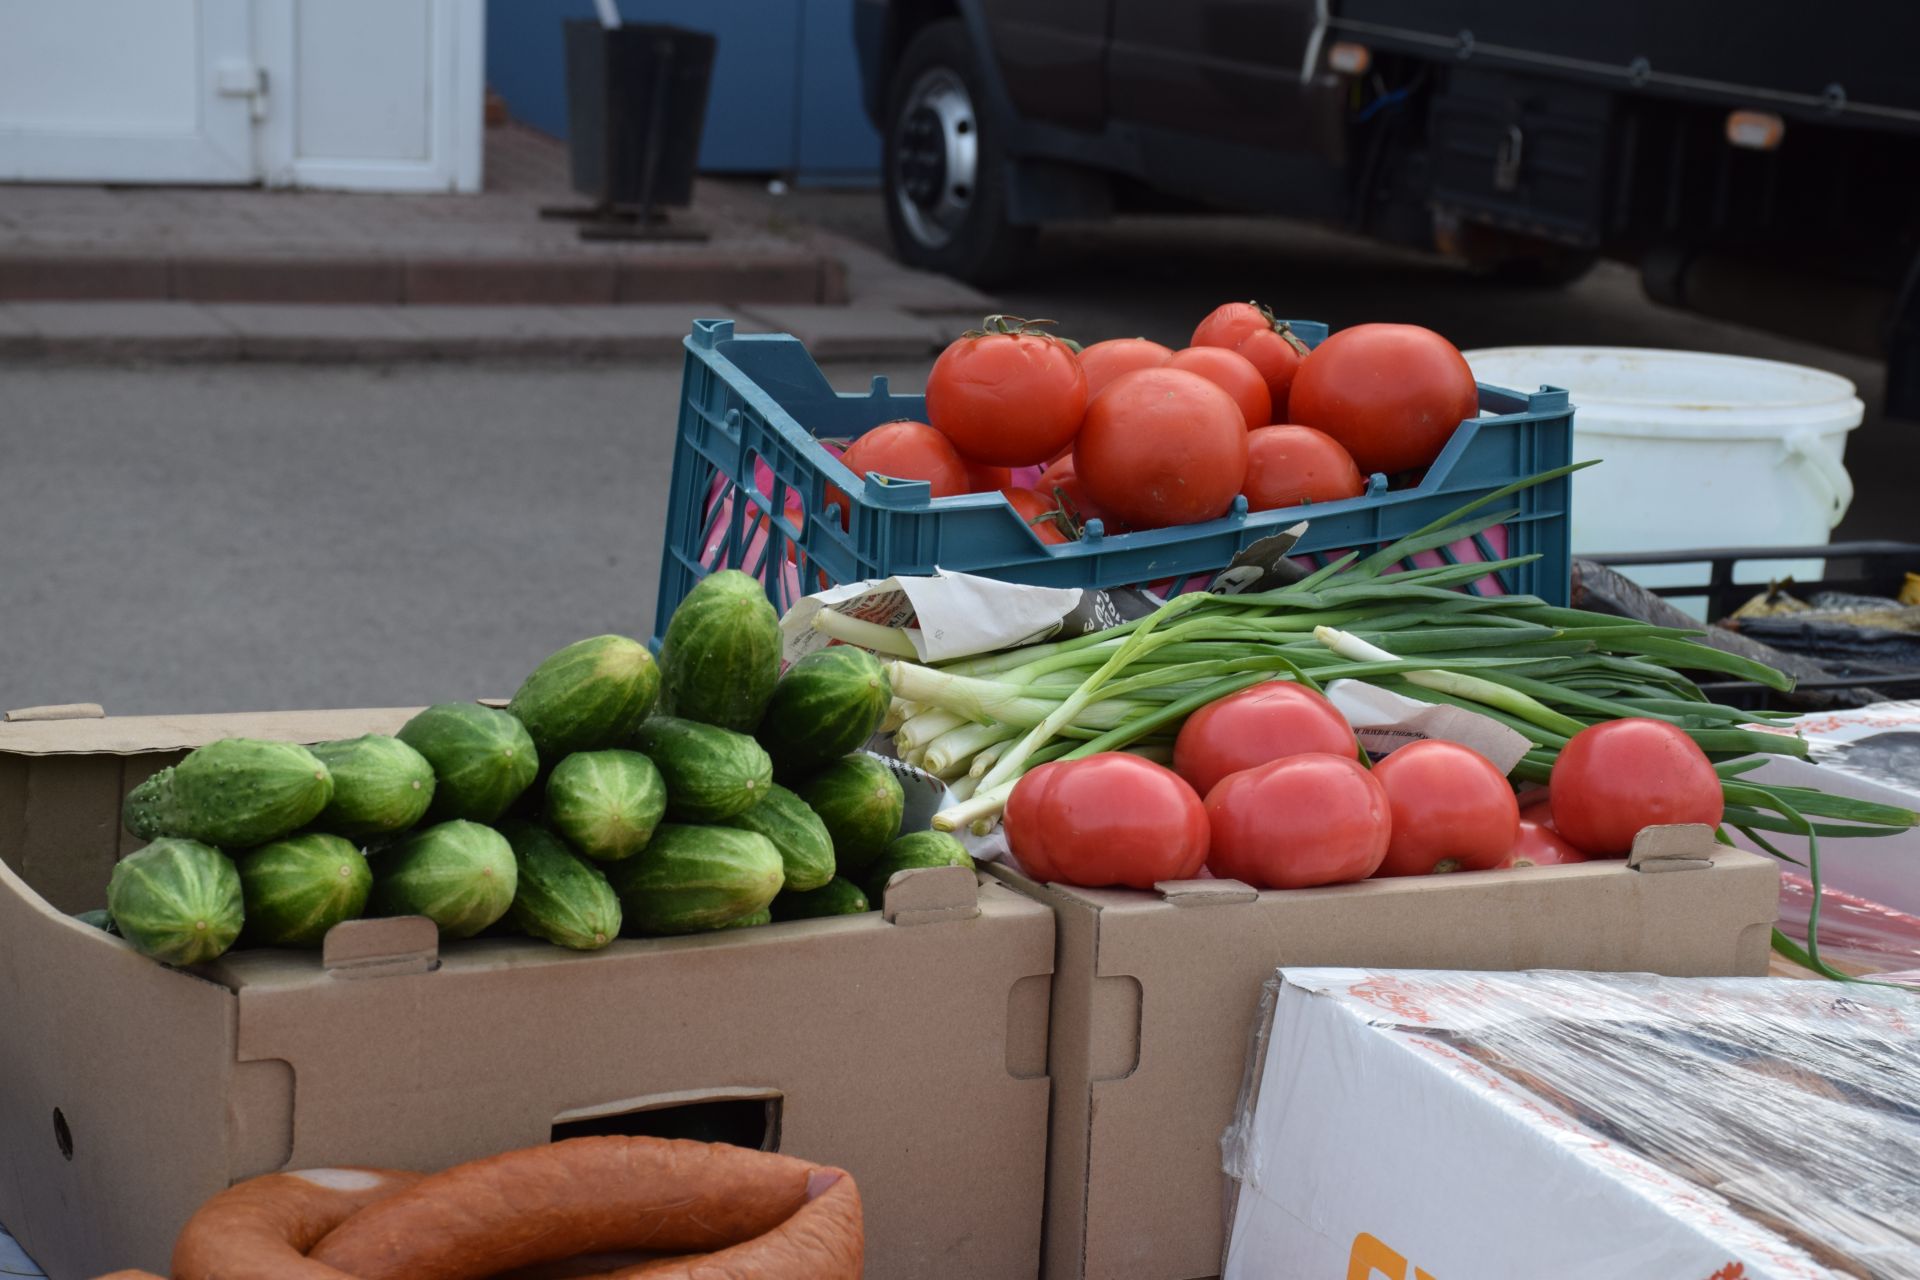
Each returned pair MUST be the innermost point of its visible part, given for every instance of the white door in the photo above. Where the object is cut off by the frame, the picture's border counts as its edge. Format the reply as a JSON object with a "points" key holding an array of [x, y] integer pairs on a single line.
{"points": [[127, 91]]}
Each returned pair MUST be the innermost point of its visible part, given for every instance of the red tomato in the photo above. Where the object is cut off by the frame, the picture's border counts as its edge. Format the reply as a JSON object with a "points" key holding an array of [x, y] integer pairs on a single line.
{"points": [[1260, 723], [1277, 356], [1042, 516], [1105, 361], [1229, 323], [1288, 466], [1010, 397], [1021, 819], [1539, 845], [986, 479], [1060, 482], [1452, 810], [1234, 374], [1162, 447], [903, 450], [1618, 776], [1297, 822], [1391, 393], [1107, 819]]}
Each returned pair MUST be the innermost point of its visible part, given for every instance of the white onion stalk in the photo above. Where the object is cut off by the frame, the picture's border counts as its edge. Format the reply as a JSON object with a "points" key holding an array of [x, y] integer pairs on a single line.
{"points": [[1456, 683], [958, 747], [868, 635], [920, 731]]}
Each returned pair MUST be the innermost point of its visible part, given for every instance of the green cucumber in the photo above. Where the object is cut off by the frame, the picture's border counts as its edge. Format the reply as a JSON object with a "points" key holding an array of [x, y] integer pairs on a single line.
{"points": [[806, 849], [482, 759], [909, 852], [837, 897], [588, 696], [829, 703], [606, 803], [458, 874], [298, 888], [720, 657], [861, 802], [712, 774], [239, 792], [559, 897], [177, 900], [690, 879], [380, 786]]}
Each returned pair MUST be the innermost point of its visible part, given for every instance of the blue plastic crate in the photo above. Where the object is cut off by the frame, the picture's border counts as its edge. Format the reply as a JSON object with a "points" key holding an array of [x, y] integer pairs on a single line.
{"points": [[747, 460]]}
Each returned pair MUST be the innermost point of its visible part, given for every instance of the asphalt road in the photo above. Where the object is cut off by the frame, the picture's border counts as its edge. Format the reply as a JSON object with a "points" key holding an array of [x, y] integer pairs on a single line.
{"points": [[213, 538]]}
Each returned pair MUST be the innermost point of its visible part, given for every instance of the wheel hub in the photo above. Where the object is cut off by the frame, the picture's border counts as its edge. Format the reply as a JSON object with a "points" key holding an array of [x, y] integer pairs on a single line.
{"points": [[935, 155]]}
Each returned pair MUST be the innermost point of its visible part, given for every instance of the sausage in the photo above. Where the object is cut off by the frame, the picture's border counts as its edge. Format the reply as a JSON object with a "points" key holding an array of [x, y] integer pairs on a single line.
{"points": [[585, 1195], [261, 1229], [129, 1275], [823, 1241]]}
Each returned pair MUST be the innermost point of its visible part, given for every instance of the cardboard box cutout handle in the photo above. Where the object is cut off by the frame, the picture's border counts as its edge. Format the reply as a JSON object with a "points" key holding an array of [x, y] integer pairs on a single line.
{"points": [[1686, 846], [928, 895], [1205, 893], [60, 711], [381, 948]]}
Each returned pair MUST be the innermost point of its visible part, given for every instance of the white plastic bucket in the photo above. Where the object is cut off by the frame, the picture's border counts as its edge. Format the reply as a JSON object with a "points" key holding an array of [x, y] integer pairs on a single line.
{"points": [[1698, 450]]}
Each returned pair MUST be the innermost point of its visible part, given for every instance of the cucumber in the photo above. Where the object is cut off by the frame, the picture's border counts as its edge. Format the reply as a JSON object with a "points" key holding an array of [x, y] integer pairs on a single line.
{"points": [[806, 850], [482, 759], [298, 888], [712, 774], [837, 897], [150, 811], [177, 900], [760, 917], [101, 919], [920, 849], [720, 657], [606, 803], [559, 896], [690, 879], [861, 802], [239, 792], [829, 703], [380, 786], [458, 874], [588, 696]]}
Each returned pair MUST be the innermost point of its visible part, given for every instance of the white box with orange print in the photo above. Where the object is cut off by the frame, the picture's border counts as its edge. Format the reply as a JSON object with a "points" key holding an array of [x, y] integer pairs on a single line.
{"points": [[1414, 1125]]}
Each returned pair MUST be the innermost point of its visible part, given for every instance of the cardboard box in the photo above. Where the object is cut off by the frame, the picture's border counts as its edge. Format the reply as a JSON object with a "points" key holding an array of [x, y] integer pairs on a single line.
{"points": [[907, 1046], [1154, 994], [1580, 1126]]}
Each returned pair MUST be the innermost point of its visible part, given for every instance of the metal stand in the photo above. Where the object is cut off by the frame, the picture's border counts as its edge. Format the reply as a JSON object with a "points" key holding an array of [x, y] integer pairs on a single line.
{"points": [[605, 220]]}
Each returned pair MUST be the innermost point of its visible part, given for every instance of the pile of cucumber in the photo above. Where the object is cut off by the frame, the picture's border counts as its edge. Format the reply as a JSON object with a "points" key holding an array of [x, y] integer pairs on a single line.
{"points": [[614, 795]]}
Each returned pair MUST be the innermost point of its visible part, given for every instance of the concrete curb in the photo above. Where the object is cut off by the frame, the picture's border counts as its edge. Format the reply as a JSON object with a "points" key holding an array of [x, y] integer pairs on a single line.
{"points": [[179, 332]]}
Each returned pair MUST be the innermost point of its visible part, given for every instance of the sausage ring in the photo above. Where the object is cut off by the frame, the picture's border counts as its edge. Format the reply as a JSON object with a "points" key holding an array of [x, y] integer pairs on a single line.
{"points": [[823, 1241], [261, 1229], [583, 1196]]}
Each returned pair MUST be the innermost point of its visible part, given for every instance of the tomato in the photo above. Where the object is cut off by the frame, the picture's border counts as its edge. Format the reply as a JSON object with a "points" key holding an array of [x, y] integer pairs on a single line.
{"points": [[986, 479], [1277, 356], [1260, 723], [1391, 393], [1105, 361], [1020, 820], [1042, 515], [1009, 397], [1061, 483], [1234, 374], [903, 450], [1452, 810], [1230, 322], [1162, 447], [1107, 819], [1297, 822], [1618, 776], [1289, 465], [1539, 845]]}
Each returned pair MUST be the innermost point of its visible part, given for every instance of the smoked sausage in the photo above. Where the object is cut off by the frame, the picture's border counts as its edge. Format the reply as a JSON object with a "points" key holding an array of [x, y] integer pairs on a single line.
{"points": [[823, 1241], [261, 1229]]}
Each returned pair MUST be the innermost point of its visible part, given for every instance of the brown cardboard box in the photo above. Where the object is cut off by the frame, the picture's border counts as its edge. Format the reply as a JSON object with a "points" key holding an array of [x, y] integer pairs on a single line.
{"points": [[908, 1047], [1155, 994]]}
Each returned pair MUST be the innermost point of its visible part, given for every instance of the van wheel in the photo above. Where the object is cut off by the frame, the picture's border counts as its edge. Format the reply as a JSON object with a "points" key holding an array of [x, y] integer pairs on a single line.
{"points": [[945, 171]]}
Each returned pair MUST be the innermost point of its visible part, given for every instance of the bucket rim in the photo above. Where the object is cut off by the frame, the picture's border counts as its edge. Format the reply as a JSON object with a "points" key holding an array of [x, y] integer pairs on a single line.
{"points": [[1838, 388]]}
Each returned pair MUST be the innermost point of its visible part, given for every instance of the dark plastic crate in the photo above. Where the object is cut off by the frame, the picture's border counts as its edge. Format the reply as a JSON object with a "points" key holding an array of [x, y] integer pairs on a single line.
{"points": [[747, 460]]}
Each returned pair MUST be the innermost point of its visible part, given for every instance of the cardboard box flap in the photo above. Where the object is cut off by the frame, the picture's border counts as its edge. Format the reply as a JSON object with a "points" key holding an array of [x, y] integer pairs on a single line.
{"points": [[60, 711], [1686, 846], [381, 947], [113, 1065], [928, 895], [1206, 893], [133, 735]]}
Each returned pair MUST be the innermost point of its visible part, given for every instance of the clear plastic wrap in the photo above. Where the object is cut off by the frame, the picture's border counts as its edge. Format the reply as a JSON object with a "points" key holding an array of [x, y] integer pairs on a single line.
{"points": [[1797, 1104], [1857, 934]]}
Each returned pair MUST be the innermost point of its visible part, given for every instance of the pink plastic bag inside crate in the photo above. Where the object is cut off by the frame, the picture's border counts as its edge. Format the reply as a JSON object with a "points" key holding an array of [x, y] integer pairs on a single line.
{"points": [[717, 519], [1853, 930]]}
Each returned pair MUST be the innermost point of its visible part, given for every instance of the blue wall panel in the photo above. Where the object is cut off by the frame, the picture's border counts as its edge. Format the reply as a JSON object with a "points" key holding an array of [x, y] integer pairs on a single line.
{"points": [[786, 85]]}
